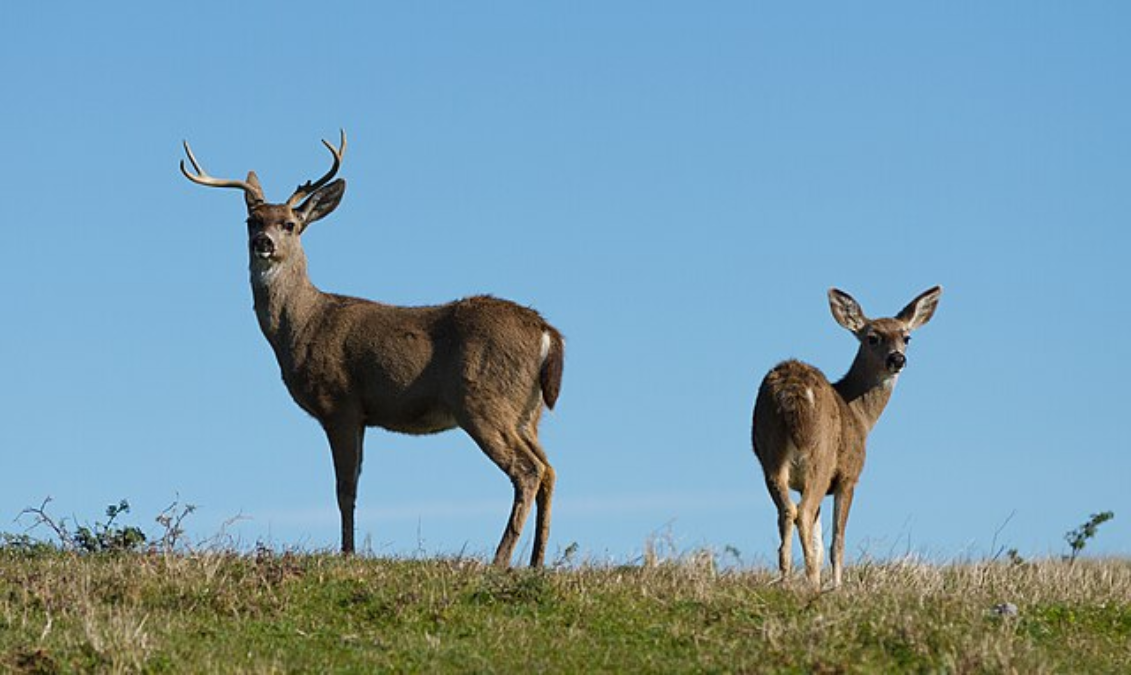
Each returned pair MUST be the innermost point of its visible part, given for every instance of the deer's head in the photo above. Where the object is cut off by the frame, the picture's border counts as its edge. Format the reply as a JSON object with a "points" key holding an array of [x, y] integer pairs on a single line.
{"points": [[883, 342], [273, 230]]}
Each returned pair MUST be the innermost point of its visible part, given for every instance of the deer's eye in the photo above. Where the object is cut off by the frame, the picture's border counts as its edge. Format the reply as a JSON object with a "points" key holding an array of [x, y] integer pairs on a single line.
{"points": [[289, 226], [873, 339], [906, 339]]}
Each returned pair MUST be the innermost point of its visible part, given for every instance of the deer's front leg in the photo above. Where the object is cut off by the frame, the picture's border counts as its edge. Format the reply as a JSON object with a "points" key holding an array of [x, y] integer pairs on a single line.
{"points": [[346, 439]]}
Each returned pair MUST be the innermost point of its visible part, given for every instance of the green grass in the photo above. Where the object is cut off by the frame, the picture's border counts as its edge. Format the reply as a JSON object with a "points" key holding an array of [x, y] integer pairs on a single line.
{"points": [[222, 612]]}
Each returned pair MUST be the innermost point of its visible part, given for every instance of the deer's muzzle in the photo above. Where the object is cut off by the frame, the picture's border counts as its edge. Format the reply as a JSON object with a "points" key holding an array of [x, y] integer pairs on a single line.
{"points": [[896, 361], [262, 246]]}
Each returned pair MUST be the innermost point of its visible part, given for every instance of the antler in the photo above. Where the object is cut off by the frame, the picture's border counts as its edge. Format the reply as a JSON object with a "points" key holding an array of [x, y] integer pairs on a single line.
{"points": [[202, 178], [304, 190]]}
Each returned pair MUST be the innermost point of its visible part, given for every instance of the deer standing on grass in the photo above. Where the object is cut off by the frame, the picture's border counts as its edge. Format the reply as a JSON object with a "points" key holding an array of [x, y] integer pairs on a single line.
{"points": [[482, 364], [809, 435]]}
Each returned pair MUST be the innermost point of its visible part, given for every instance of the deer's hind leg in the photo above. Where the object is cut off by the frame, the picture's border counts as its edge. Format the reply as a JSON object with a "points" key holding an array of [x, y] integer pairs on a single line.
{"points": [[506, 447], [528, 431], [544, 498], [809, 531], [778, 485]]}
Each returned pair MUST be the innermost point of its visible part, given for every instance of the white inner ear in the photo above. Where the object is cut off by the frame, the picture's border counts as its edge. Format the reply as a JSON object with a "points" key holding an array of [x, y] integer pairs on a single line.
{"points": [[311, 204], [922, 308], [922, 312], [852, 316]]}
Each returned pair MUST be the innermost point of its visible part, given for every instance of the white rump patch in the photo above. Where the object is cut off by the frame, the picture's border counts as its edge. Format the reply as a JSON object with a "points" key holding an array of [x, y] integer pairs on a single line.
{"points": [[545, 347]]}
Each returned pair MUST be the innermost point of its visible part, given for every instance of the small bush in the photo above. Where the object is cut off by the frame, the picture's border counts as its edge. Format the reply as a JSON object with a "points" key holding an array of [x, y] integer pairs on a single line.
{"points": [[1079, 537], [109, 536]]}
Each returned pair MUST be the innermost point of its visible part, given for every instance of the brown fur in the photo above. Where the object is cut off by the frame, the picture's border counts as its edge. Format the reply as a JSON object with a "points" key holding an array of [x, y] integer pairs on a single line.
{"points": [[809, 434], [351, 363]]}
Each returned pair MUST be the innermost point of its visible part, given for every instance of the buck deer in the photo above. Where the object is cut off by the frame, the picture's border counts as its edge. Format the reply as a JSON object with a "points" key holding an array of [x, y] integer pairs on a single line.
{"points": [[809, 435], [483, 364]]}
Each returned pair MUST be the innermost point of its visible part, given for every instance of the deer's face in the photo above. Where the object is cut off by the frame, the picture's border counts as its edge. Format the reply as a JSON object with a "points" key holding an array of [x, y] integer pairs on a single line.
{"points": [[273, 230], [273, 233], [883, 343]]}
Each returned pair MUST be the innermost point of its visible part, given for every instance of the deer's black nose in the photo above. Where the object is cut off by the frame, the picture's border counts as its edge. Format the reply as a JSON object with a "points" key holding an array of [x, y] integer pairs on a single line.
{"points": [[262, 246], [896, 362]]}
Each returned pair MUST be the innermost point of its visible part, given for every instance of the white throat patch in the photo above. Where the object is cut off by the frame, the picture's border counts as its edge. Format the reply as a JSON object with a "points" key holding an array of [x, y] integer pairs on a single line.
{"points": [[264, 275]]}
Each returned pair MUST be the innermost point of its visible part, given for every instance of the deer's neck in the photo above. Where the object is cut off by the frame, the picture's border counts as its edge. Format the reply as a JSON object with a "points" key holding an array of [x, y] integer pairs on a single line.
{"points": [[865, 391], [285, 301]]}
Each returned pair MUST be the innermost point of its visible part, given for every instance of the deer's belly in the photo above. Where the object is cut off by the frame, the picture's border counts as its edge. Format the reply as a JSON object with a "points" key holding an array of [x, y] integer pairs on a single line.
{"points": [[420, 421]]}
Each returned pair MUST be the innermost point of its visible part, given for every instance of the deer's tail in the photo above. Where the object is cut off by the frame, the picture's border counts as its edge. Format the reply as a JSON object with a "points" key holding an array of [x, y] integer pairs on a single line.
{"points": [[553, 357]]}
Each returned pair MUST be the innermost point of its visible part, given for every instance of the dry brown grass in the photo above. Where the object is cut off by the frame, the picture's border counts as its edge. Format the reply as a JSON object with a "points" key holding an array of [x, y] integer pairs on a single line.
{"points": [[223, 612]]}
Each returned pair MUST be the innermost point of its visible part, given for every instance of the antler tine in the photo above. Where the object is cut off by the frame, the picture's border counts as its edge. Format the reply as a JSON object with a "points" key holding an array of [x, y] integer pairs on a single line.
{"points": [[304, 190], [202, 177]]}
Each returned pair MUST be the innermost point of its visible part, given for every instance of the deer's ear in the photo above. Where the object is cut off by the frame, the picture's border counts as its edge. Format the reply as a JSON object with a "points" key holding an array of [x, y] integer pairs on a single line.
{"points": [[253, 200], [920, 310], [320, 204], [846, 310]]}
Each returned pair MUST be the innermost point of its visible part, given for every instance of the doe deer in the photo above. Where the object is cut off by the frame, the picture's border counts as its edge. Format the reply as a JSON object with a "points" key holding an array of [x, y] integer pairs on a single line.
{"points": [[483, 364], [809, 434]]}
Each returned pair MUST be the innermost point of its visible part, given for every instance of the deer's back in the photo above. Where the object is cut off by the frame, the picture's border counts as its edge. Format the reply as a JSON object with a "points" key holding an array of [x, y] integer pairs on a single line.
{"points": [[413, 369]]}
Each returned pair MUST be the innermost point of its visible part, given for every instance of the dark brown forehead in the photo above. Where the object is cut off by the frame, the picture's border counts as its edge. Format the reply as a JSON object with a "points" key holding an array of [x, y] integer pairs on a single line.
{"points": [[270, 213], [888, 327]]}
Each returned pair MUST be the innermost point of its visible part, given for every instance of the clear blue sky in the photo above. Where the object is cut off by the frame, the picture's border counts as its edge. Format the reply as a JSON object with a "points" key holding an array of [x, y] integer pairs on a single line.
{"points": [[674, 185]]}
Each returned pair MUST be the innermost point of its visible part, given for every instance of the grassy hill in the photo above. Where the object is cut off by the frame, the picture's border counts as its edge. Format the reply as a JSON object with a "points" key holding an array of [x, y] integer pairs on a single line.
{"points": [[269, 612]]}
